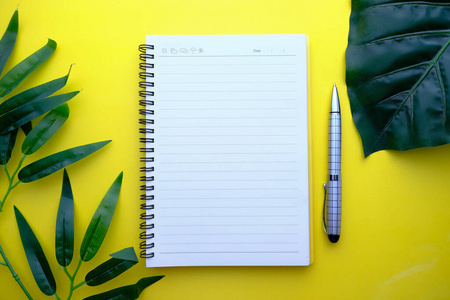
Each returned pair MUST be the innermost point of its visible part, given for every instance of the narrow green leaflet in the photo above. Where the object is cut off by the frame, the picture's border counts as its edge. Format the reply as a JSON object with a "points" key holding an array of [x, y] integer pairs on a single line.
{"points": [[119, 263], [25, 67], [57, 161], [33, 94], [129, 292], [99, 225], [35, 255], [125, 254], [64, 237], [29, 111], [7, 142], [8, 40], [45, 129], [398, 73]]}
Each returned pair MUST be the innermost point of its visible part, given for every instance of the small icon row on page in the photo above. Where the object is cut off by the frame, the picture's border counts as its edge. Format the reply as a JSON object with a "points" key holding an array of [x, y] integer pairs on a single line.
{"points": [[192, 50]]}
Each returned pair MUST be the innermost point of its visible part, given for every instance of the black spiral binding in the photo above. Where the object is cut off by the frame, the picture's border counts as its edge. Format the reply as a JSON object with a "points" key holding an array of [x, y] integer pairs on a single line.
{"points": [[147, 196]]}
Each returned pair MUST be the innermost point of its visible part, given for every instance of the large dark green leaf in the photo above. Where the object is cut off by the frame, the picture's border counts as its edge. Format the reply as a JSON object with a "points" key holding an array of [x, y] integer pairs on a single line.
{"points": [[7, 142], [398, 73], [119, 263], [8, 40], [57, 161], [98, 227], [33, 94], [45, 129], [64, 236], [35, 255], [23, 114], [129, 292], [25, 67]]}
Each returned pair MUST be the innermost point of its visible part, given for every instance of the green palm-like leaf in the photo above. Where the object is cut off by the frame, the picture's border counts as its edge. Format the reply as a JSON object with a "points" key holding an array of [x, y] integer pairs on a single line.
{"points": [[35, 255], [31, 110], [57, 161], [129, 292], [98, 227], [33, 94], [64, 236], [398, 73], [7, 142], [8, 40], [18, 73], [45, 129], [119, 263]]}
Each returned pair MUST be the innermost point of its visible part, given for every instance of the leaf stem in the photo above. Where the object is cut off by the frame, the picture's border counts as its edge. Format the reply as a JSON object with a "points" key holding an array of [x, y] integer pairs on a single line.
{"points": [[11, 179], [14, 274], [72, 279], [79, 285], [18, 167], [56, 296], [67, 273], [7, 173]]}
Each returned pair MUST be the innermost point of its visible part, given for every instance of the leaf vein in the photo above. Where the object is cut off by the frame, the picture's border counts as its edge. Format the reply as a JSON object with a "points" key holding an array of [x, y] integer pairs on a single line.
{"points": [[432, 64], [403, 3], [442, 88], [400, 70], [408, 35]]}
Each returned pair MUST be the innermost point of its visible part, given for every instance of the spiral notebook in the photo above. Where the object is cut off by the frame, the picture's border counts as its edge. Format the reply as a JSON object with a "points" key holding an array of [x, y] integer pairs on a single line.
{"points": [[226, 140]]}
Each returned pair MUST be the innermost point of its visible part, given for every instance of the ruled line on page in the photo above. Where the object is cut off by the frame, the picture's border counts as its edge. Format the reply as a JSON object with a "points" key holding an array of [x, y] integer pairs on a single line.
{"points": [[224, 64], [227, 153], [230, 225], [227, 189], [229, 243], [199, 56], [222, 82], [227, 180], [228, 100], [228, 162], [226, 207], [231, 234], [225, 252], [228, 198]]}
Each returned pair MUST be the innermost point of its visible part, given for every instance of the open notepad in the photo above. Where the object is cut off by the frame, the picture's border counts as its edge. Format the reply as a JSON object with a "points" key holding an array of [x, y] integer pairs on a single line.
{"points": [[227, 150]]}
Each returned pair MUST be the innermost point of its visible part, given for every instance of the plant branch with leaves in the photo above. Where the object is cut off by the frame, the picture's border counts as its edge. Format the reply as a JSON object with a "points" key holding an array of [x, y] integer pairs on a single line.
{"points": [[17, 113], [93, 238]]}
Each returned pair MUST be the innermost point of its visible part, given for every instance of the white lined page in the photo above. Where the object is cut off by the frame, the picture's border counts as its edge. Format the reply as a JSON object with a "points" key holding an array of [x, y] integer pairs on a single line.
{"points": [[231, 150]]}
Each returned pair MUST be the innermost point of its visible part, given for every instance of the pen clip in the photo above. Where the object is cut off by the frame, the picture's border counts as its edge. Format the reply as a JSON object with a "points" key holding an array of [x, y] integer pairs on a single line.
{"points": [[323, 211]]}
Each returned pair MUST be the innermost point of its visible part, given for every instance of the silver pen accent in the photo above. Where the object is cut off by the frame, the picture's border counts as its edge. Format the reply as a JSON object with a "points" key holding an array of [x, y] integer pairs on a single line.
{"points": [[333, 189]]}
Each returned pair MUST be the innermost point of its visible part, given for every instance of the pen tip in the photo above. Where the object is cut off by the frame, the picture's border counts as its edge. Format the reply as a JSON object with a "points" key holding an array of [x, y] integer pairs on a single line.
{"points": [[335, 105], [333, 238]]}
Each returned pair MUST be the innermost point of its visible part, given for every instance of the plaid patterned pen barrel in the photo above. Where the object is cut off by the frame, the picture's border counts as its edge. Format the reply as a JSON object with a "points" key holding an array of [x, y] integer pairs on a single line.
{"points": [[333, 214]]}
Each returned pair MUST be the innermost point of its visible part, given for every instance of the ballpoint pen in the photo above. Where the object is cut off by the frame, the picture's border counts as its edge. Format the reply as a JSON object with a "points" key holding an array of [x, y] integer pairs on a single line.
{"points": [[332, 196]]}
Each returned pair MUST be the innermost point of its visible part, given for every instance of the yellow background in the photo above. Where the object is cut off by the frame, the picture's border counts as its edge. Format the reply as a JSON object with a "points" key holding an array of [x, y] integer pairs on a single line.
{"points": [[395, 241]]}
